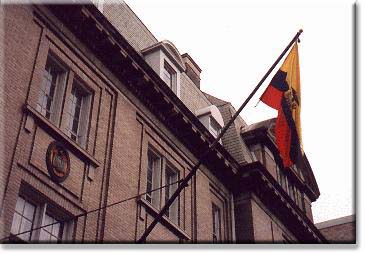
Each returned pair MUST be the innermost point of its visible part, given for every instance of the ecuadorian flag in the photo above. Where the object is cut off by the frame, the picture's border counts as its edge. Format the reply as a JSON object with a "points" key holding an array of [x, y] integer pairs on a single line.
{"points": [[283, 94]]}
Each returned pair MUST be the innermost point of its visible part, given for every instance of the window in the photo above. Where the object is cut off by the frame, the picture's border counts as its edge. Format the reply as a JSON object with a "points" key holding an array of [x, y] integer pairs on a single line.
{"points": [[23, 218], [153, 178], [281, 178], [171, 176], [170, 76], [77, 106], [50, 96], [29, 215], [214, 127], [52, 232], [216, 224], [161, 173], [78, 113], [287, 184], [256, 151]]}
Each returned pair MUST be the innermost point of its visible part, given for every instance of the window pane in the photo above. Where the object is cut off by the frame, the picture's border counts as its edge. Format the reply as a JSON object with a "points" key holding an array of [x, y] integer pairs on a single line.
{"points": [[51, 78], [25, 236], [20, 205], [22, 218], [171, 176], [149, 176], [169, 76], [75, 125], [153, 178], [25, 226], [53, 239], [56, 229], [15, 226], [44, 236], [216, 223], [77, 113], [29, 211]]}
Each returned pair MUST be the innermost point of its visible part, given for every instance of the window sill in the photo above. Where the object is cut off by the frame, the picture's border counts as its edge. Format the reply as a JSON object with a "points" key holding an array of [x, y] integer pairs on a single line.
{"points": [[61, 136], [164, 220]]}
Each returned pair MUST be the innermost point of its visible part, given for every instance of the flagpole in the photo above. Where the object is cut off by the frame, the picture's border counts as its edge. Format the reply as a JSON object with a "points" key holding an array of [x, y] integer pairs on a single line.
{"points": [[185, 181]]}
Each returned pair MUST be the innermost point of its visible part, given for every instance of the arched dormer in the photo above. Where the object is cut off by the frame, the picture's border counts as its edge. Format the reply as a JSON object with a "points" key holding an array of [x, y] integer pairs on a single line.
{"points": [[211, 118], [174, 53], [167, 62]]}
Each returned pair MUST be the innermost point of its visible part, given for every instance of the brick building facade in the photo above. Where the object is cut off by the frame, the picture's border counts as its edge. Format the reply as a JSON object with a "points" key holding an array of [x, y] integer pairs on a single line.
{"points": [[97, 110]]}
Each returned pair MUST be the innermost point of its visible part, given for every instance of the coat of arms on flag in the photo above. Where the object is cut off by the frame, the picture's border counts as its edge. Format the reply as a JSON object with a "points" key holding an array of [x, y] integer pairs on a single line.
{"points": [[283, 94]]}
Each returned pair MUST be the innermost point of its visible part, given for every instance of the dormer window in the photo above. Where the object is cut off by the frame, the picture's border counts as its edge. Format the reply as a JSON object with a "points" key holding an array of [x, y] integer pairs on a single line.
{"points": [[211, 118], [214, 127], [165, 59], [170, 77]]}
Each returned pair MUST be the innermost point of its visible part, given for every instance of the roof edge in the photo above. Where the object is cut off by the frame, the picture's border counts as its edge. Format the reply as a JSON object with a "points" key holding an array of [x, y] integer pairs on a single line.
{"points": [[336, 222]]}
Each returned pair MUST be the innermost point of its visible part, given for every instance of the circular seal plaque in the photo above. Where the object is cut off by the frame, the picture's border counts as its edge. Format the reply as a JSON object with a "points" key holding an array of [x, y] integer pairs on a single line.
{"points": [[58, 162]]}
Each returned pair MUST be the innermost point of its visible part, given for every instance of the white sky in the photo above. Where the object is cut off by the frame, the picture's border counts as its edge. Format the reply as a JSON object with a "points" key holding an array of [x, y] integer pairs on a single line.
{"points": [[235, 43]]}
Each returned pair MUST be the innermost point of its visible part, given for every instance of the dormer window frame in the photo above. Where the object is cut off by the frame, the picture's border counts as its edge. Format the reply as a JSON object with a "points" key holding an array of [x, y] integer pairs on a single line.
{"points": [[169, 75], [211, 118], [214, 126], [165, 59]]}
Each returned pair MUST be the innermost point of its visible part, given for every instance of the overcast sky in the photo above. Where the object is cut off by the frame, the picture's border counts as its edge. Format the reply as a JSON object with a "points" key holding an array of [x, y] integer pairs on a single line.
{"points": [[235, 43]]}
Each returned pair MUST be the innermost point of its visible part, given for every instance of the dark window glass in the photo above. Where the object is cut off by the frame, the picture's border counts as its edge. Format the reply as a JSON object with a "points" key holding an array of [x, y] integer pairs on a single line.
{"points": [[216, 224], [153, 178], [171, 177], [78, 114], [52, 78], [169, 76]]}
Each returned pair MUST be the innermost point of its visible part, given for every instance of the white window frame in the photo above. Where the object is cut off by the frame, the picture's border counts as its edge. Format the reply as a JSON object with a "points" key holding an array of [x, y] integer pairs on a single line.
{"points": [[60, 84], [173, 212], [154, 197], [214, 127], [172, 83], [16, 229], [159, 178], [83, 121], [38, 219]]}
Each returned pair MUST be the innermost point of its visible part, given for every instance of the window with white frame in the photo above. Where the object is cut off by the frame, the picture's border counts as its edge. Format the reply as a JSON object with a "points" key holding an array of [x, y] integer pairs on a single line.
{"points": [[153, 180], [52, 233], [170, 76], [23, 219], [52, 87], [216, 223], [160, 173], [29, 215], [171, 178], [78, 113], [214, 127]]}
